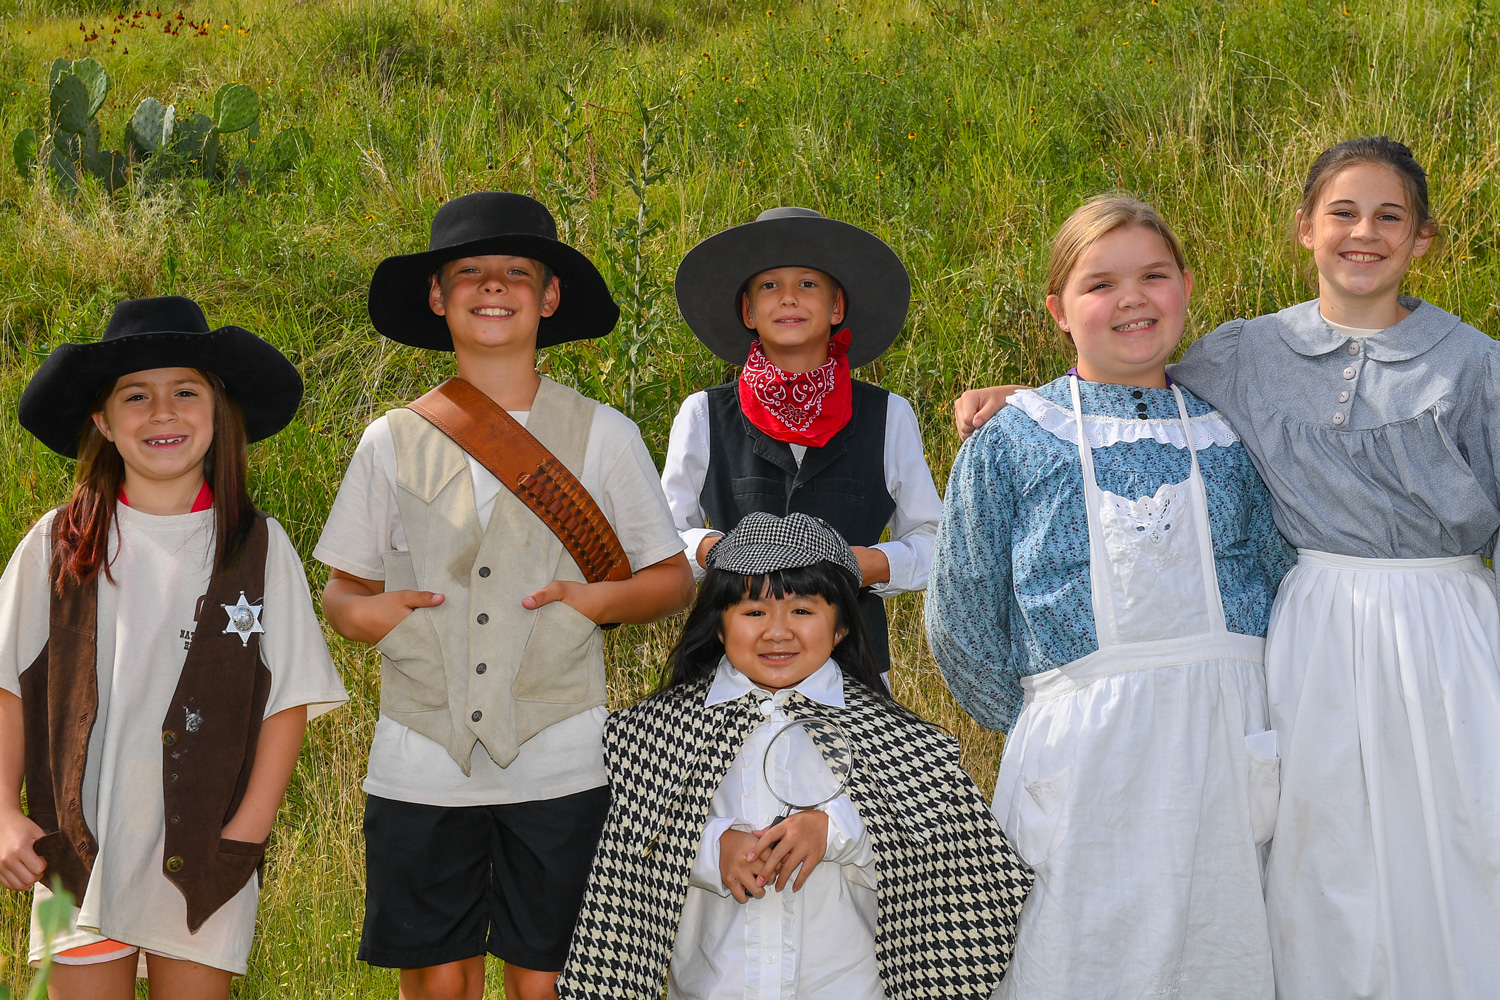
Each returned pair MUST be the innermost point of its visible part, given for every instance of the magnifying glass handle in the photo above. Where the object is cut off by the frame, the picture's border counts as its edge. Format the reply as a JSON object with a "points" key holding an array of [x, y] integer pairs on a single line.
{"points": [[782, 818]]}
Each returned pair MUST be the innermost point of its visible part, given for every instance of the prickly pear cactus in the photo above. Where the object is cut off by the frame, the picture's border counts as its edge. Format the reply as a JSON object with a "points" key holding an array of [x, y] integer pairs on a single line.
{"points": [[150, 128], [110, 166], [95, 79], [70, 103], [25, 149], [236, 107], [57, 69]]}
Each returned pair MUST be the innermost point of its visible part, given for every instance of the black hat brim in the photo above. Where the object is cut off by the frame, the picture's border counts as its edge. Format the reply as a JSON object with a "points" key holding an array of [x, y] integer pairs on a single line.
{"points": [[58, 399], [877, 289], [398, 300]]}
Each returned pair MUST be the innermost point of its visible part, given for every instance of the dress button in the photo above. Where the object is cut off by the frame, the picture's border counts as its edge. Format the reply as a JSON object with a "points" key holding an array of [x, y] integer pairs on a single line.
{"points": [[1344, 396], [174, 864], [481, 668], [1140, 407], [483, 619], [1142, 416], [1137, 394], [484, 571], [1338, 418], [1354, 347], [1348, 372], [766, 707], [169, 737], [477, 715]]}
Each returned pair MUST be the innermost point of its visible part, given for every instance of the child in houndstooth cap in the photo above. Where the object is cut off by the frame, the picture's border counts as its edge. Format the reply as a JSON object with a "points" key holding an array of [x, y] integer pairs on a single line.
{"points": [[696, 881]]}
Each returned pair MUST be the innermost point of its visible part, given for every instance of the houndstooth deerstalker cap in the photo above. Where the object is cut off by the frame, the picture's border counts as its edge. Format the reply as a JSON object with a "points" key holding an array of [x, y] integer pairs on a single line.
{"points": [[763, 543]]}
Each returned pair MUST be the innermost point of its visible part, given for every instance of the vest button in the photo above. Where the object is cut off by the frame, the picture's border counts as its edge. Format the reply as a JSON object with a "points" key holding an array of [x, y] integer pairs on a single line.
{"points": [[169, 737], [484, 571], [483, 619], [477, 715], [174, 864], [176, 818], [481, 668]]}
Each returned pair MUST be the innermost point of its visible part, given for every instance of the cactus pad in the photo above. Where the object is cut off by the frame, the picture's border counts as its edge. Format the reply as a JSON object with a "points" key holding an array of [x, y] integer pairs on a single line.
{"points": [[95, 79], [151, 126], [56, 70], [236, 107], [109, 166], [70, 103], [24, 150]]}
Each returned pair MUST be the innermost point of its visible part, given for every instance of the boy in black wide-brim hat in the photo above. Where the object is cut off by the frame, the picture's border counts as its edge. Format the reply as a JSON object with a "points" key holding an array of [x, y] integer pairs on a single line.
{"points": [[798, 300], [480, 538]]}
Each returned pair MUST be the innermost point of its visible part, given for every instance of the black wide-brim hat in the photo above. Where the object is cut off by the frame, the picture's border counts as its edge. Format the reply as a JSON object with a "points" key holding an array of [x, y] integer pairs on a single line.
{"points": [[475, 225], [877, 290], [168, 331]]}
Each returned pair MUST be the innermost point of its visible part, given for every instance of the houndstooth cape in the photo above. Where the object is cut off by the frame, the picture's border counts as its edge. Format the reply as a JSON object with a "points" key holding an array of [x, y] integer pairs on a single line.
{"points": [[950, 888]]}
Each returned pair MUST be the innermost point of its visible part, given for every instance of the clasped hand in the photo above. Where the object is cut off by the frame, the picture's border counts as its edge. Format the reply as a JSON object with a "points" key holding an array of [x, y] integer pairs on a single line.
{"points": [[748, 862]]}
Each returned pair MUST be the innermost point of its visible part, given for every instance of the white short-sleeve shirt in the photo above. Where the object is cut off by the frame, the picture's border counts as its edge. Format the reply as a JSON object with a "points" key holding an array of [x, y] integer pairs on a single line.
{"points": [[365, 523], [160, 567]]}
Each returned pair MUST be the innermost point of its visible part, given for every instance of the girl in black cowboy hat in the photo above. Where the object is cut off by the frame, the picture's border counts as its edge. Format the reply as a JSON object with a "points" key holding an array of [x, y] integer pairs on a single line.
{"points": [[159, 655], [798, 300]]}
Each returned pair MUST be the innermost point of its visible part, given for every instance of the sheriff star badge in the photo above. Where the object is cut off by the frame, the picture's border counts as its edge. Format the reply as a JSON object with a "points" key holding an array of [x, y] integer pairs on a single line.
{"points": [[244, 619]]}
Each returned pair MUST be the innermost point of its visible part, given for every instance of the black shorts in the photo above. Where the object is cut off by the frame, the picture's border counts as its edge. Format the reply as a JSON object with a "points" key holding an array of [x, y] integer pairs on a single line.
{"points": [[445, 883]]}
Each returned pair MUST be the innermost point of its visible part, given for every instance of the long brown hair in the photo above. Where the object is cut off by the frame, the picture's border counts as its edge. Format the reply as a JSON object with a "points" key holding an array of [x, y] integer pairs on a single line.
{"points": [[1381, 151], [80, 532]]}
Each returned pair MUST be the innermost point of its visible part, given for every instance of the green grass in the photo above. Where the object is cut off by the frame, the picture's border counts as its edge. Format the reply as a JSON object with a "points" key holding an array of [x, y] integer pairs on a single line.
{"points": [[961, 131]]}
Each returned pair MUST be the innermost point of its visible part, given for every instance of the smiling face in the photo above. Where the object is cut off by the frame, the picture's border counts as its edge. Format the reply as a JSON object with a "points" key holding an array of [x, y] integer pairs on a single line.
{"points": [[493, 301], [162, 423], [794, 310], [1363, 236], [778, 642], [1124, 305]]}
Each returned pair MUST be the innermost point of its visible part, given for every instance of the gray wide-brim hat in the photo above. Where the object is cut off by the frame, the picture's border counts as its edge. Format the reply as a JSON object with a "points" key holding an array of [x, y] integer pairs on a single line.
{"points": [[764, 543], [167, 331], [877, 289], [489, 222]]}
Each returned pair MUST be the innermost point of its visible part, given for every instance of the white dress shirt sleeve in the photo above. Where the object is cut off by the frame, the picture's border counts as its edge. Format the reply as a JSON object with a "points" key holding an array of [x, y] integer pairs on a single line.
{"points": [[849, 844], [683, 475], [918, 507], [706, 873]]}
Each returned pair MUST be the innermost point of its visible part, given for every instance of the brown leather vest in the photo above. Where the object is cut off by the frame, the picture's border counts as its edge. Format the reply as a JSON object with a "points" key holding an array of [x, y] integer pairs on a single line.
{"points": [[208, 738]]}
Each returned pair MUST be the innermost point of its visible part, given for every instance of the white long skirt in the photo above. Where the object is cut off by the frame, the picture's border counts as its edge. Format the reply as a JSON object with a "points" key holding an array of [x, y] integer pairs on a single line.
{"points": [[1137, 801], [1384, 683]]}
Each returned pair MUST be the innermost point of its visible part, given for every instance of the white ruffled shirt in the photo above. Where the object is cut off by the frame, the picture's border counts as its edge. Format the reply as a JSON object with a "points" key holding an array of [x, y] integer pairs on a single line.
{"points": [[814, 944]]}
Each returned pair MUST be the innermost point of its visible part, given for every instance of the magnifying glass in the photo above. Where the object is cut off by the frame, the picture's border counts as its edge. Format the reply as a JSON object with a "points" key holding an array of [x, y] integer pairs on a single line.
{"points": [[807, 764]]}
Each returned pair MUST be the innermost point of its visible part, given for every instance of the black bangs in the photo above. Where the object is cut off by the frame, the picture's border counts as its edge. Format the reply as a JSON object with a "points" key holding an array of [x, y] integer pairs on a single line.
{"points": [[699, 647]]}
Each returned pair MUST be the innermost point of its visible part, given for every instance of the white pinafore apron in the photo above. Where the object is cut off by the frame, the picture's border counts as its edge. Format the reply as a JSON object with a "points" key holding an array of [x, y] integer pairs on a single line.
{"points": [[1139, 780], [1384, 679]]}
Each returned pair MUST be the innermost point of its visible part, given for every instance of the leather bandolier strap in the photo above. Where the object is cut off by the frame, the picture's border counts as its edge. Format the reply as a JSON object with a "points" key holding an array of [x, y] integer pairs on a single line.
{"points": [[495, 439]]}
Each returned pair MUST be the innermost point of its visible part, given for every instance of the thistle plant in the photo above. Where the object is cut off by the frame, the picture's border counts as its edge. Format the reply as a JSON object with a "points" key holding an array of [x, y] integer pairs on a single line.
{"points": [[159, 145]]}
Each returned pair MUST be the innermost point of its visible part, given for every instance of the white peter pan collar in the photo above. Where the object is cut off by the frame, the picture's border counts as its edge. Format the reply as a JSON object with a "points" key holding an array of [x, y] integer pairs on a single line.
{"points": [[824, 686]]}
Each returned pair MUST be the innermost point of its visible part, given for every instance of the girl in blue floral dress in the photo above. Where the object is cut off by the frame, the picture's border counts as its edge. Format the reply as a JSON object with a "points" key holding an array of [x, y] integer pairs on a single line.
{"points": [[1104, 572]]}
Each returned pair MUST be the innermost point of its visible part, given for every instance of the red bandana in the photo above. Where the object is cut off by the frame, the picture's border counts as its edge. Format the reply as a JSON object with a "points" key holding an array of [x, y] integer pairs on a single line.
{"points": [[806, 408]]}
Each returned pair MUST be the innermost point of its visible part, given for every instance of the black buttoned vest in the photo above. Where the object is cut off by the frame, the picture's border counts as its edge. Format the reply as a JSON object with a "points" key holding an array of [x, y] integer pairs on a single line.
{"points": [[842, 482]]}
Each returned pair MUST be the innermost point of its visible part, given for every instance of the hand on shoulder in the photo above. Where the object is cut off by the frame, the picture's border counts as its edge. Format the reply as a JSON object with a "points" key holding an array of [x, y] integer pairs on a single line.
{"points": [[972, 409]]}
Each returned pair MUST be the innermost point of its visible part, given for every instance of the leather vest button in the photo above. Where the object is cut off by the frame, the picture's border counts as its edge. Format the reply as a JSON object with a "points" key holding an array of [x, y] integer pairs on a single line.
{"points": [[176, 818], [174, 864], [483, 619], [477, 715], [169, 737], [484, 571], [174, 777], [481, 668]]}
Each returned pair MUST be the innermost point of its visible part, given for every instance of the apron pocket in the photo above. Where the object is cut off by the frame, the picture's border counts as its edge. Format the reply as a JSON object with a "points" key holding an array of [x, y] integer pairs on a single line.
{"points": [[1265, 783], [1042, 817]]}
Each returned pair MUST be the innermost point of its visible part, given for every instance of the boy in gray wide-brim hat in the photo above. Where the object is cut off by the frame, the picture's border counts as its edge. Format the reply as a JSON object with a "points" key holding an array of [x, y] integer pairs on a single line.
{"points": [[483, 578], [798, 300]]}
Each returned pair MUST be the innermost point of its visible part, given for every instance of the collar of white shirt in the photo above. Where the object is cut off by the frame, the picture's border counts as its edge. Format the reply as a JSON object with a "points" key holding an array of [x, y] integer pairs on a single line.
{"points": [[824, 686]]}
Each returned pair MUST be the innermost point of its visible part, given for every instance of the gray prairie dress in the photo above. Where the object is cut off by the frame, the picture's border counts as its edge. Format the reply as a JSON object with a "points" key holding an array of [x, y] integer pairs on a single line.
{"points": [[1381, 660]]}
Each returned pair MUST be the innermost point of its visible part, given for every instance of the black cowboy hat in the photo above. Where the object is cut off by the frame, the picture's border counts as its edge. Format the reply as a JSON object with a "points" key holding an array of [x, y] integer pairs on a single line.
{"points": [[169, 331], [489, 222], [711, 277]]}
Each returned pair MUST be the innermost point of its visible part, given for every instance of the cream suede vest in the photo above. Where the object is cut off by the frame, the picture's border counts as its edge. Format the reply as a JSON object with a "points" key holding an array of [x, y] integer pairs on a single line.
{"points": [[479, 667]]}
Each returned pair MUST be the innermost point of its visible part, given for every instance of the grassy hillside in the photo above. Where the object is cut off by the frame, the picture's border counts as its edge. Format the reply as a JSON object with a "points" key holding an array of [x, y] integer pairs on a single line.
{"points": [[961, 131]]}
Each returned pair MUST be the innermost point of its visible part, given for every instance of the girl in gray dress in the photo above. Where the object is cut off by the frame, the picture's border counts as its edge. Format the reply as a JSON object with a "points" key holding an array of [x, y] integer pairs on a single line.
{"points": [[1375, 420]]}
